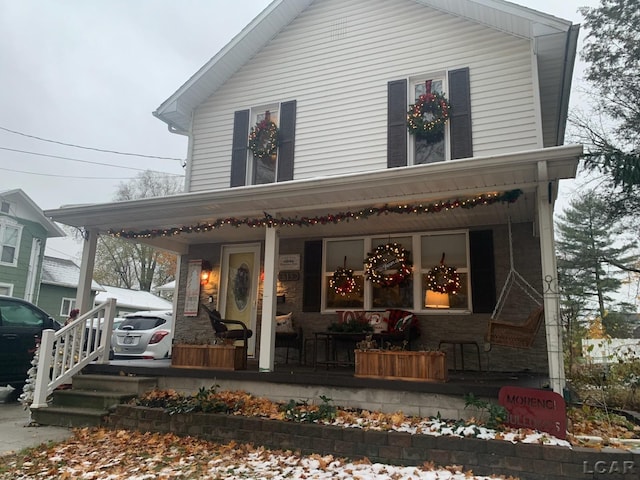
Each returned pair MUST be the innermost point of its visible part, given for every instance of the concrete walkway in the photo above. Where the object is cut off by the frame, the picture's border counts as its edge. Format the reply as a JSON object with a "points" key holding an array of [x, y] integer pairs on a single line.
{"points": [[16, 434]]}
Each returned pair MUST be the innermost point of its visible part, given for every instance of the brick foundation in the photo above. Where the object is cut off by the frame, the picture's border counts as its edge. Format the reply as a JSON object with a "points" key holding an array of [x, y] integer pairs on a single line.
{"points": [[483, 457]]}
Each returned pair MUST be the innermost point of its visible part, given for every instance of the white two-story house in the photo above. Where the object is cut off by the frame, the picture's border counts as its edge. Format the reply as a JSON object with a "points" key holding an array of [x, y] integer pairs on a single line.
{"points": [[309, 190]]}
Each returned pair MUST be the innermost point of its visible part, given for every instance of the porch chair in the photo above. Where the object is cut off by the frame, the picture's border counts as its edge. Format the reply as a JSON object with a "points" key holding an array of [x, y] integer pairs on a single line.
{"points": [[513, 334], [227, 334], [288, 335]]}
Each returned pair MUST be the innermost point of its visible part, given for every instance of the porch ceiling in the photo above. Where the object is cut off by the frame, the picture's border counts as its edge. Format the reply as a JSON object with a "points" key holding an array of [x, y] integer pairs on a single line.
{"points": [[458, 179]]}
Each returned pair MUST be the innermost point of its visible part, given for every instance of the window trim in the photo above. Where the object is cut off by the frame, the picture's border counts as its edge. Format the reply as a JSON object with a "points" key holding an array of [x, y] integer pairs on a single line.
{"points": [[9, 287], [72, 304], [3, 225], [417, 271], [8, 204], [411, 140]]}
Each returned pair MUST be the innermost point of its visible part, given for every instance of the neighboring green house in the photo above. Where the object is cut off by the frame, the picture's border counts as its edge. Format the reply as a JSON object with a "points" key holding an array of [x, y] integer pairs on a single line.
{"points": [[24, 230], [59, 287]]}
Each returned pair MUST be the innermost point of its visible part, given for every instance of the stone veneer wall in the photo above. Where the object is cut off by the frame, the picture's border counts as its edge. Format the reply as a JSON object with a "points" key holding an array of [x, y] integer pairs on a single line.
{"points": [[434, 327], [483, 457]]}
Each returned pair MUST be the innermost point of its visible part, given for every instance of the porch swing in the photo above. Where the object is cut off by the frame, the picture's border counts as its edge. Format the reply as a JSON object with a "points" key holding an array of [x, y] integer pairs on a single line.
{"points": [[515, 335]]}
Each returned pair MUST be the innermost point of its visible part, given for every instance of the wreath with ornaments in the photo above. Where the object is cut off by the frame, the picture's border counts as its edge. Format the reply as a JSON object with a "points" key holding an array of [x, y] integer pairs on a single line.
{"points": [[263, 138], [388, 265], [427, 117], [443, 279], [342, 281]]}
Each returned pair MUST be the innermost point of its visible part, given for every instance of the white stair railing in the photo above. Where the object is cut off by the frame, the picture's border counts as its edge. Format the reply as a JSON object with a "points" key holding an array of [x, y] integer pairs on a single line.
{"points": [[67, 351]]}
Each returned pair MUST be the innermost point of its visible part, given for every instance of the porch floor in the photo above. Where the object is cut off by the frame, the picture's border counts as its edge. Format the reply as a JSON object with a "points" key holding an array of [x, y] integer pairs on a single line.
{"points": [[484, 384]]}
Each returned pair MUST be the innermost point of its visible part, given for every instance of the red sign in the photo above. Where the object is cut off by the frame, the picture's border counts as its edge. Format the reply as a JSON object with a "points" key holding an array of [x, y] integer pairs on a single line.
{"points": [[542, 410]]}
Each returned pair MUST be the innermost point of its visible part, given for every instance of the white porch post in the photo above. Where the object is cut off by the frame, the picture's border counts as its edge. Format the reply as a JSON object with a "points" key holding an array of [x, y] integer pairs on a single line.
{"points": [[83, 297], [553, 327], [267, 325]]}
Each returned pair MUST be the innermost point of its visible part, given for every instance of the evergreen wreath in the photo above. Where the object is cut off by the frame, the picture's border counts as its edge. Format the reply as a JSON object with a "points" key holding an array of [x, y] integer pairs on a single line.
{"points": [[263, 138], [342, 281], [443, 279], [388, 257], [427, 117]]}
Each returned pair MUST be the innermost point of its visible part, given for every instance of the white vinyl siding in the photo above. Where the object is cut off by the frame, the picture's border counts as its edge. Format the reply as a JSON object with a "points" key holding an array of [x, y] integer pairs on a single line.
{"points": [[336, 58]]}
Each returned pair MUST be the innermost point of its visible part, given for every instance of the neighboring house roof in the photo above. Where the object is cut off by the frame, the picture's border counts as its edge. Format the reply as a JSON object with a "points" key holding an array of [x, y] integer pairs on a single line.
{"points": [[64, 273], [133, 299], [554, 39], [28, 210], [167, 287]]}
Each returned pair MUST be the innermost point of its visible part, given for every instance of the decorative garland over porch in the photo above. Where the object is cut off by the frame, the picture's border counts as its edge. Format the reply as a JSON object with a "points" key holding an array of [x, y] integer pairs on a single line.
{"points": [[509, 196]]}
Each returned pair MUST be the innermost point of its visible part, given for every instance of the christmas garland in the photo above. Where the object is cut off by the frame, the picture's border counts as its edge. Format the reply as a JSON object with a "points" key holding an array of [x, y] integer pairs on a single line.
{"points": [[443, 279], [427, 117], [384, 258], [509, 196], [342, 281], [263, 139]]}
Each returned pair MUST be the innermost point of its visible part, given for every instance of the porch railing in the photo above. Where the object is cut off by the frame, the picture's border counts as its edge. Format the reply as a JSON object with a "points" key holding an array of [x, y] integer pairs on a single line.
{"points": [[64, 353]]}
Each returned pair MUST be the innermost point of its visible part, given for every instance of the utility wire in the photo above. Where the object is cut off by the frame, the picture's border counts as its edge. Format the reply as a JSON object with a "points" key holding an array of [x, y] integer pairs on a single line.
{"points": [[85, 161], [64, 176], [89, 148]]}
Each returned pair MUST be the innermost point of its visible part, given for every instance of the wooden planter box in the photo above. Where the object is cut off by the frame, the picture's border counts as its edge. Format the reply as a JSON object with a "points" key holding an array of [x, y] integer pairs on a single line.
{"points": [[401, 365], [218, 357]]}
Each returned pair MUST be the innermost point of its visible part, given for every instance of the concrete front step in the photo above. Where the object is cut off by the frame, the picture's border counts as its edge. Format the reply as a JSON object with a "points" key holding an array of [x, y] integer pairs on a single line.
{"points": [[114, 383], [90, 399], [69, 416]]}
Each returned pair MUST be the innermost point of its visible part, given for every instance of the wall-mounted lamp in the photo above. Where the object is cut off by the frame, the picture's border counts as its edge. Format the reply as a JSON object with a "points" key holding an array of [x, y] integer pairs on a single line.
{"points": [[205, 272], [436, 299]]}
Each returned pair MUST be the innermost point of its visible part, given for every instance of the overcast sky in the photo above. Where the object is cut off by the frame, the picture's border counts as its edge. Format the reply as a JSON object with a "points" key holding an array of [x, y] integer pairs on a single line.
{"points": [[90, 72]]}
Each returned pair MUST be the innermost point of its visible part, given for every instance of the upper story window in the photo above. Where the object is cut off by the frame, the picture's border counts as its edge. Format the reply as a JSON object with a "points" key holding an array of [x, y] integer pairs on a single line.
{"points": [[9, 243], [425, 250], [421, 150], [5, 207], [263, 158]]}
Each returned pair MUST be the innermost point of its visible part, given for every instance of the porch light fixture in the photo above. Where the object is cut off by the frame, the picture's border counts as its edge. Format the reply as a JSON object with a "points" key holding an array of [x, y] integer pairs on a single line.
{"points": [[436, 299], [205, 273]]}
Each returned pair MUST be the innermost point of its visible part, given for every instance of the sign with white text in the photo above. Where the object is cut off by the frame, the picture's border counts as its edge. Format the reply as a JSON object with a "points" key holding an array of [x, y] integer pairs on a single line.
{"points": [[542, 410]]}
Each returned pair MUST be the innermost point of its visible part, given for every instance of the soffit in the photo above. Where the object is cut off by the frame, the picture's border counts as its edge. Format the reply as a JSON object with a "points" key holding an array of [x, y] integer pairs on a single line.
{"points": [[426, 184]]}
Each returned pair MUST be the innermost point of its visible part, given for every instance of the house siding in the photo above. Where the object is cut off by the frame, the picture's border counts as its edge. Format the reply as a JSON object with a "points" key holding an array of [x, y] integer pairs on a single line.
{"points": [[17, 276], [336, 59]]}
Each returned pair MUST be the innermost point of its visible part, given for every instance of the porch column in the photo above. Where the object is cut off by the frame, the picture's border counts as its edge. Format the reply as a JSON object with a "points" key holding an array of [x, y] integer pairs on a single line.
{"points": [[269, 286], [83, 297], [553, 328]]}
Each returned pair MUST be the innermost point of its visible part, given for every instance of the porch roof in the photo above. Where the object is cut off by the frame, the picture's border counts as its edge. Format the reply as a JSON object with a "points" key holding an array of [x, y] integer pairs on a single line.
{"points": [[420, 184]]}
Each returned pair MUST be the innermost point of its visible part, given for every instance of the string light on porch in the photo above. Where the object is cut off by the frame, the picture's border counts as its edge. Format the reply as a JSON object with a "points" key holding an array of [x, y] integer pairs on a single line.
{"points": [[268, 220]]}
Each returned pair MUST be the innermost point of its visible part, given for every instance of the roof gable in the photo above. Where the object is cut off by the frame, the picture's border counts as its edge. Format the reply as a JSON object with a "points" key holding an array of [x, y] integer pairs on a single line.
{"points": [[555, 42], [64, 273], [28, 210]]}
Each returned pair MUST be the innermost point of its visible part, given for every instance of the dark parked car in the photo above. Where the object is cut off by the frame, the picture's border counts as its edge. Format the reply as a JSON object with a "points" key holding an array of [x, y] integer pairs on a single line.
{"points": [[21, 326]]}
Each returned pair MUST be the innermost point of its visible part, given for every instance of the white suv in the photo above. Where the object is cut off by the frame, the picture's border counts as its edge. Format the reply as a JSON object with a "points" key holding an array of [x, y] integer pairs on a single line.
{"points": [[143, 335]]}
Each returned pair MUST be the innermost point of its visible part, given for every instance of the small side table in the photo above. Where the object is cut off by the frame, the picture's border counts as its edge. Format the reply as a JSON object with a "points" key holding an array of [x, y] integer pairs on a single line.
{"points": [[461, 344]]}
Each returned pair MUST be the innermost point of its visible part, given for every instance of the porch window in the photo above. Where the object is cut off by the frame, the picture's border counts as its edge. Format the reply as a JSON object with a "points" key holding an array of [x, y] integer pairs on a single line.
{"points": [[426, 250], [263, 170], [422, 151], [68, 304], [9, 243]]}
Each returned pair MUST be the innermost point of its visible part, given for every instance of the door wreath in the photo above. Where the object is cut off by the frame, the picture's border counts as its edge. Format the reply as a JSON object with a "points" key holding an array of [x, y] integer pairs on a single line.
{"points": [[391, 257], [263, 138]]}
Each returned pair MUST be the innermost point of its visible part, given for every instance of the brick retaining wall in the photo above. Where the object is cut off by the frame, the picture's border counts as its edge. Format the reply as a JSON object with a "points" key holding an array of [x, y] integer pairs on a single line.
{"points": [[483, 457]]}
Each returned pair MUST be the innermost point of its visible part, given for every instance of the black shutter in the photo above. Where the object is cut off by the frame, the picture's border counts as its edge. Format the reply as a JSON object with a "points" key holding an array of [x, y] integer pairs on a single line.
{"points": [[397, 123], [460, 121], [312, 275], [239, 148], [483, 277], [287, 137]]}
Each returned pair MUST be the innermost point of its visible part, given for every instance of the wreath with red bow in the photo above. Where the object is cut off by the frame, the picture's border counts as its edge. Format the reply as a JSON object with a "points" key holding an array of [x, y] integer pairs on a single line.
{"points": [[427, 117], [342, 281], [263, 138], [443, 279], [385, 258]]}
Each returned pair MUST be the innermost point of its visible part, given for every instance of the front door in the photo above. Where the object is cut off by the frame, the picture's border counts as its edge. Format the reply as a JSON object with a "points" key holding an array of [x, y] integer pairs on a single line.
{"points": [[239, 280]]}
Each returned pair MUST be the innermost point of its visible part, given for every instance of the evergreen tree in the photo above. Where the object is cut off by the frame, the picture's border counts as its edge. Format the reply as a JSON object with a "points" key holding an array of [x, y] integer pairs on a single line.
{"points": [[590, 247]]}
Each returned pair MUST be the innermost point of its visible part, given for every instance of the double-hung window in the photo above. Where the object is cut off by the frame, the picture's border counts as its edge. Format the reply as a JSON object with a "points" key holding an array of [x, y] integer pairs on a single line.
{"points": [[421, 151], [427, 250], [68, 304], [9, 243], [263, 170]]}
